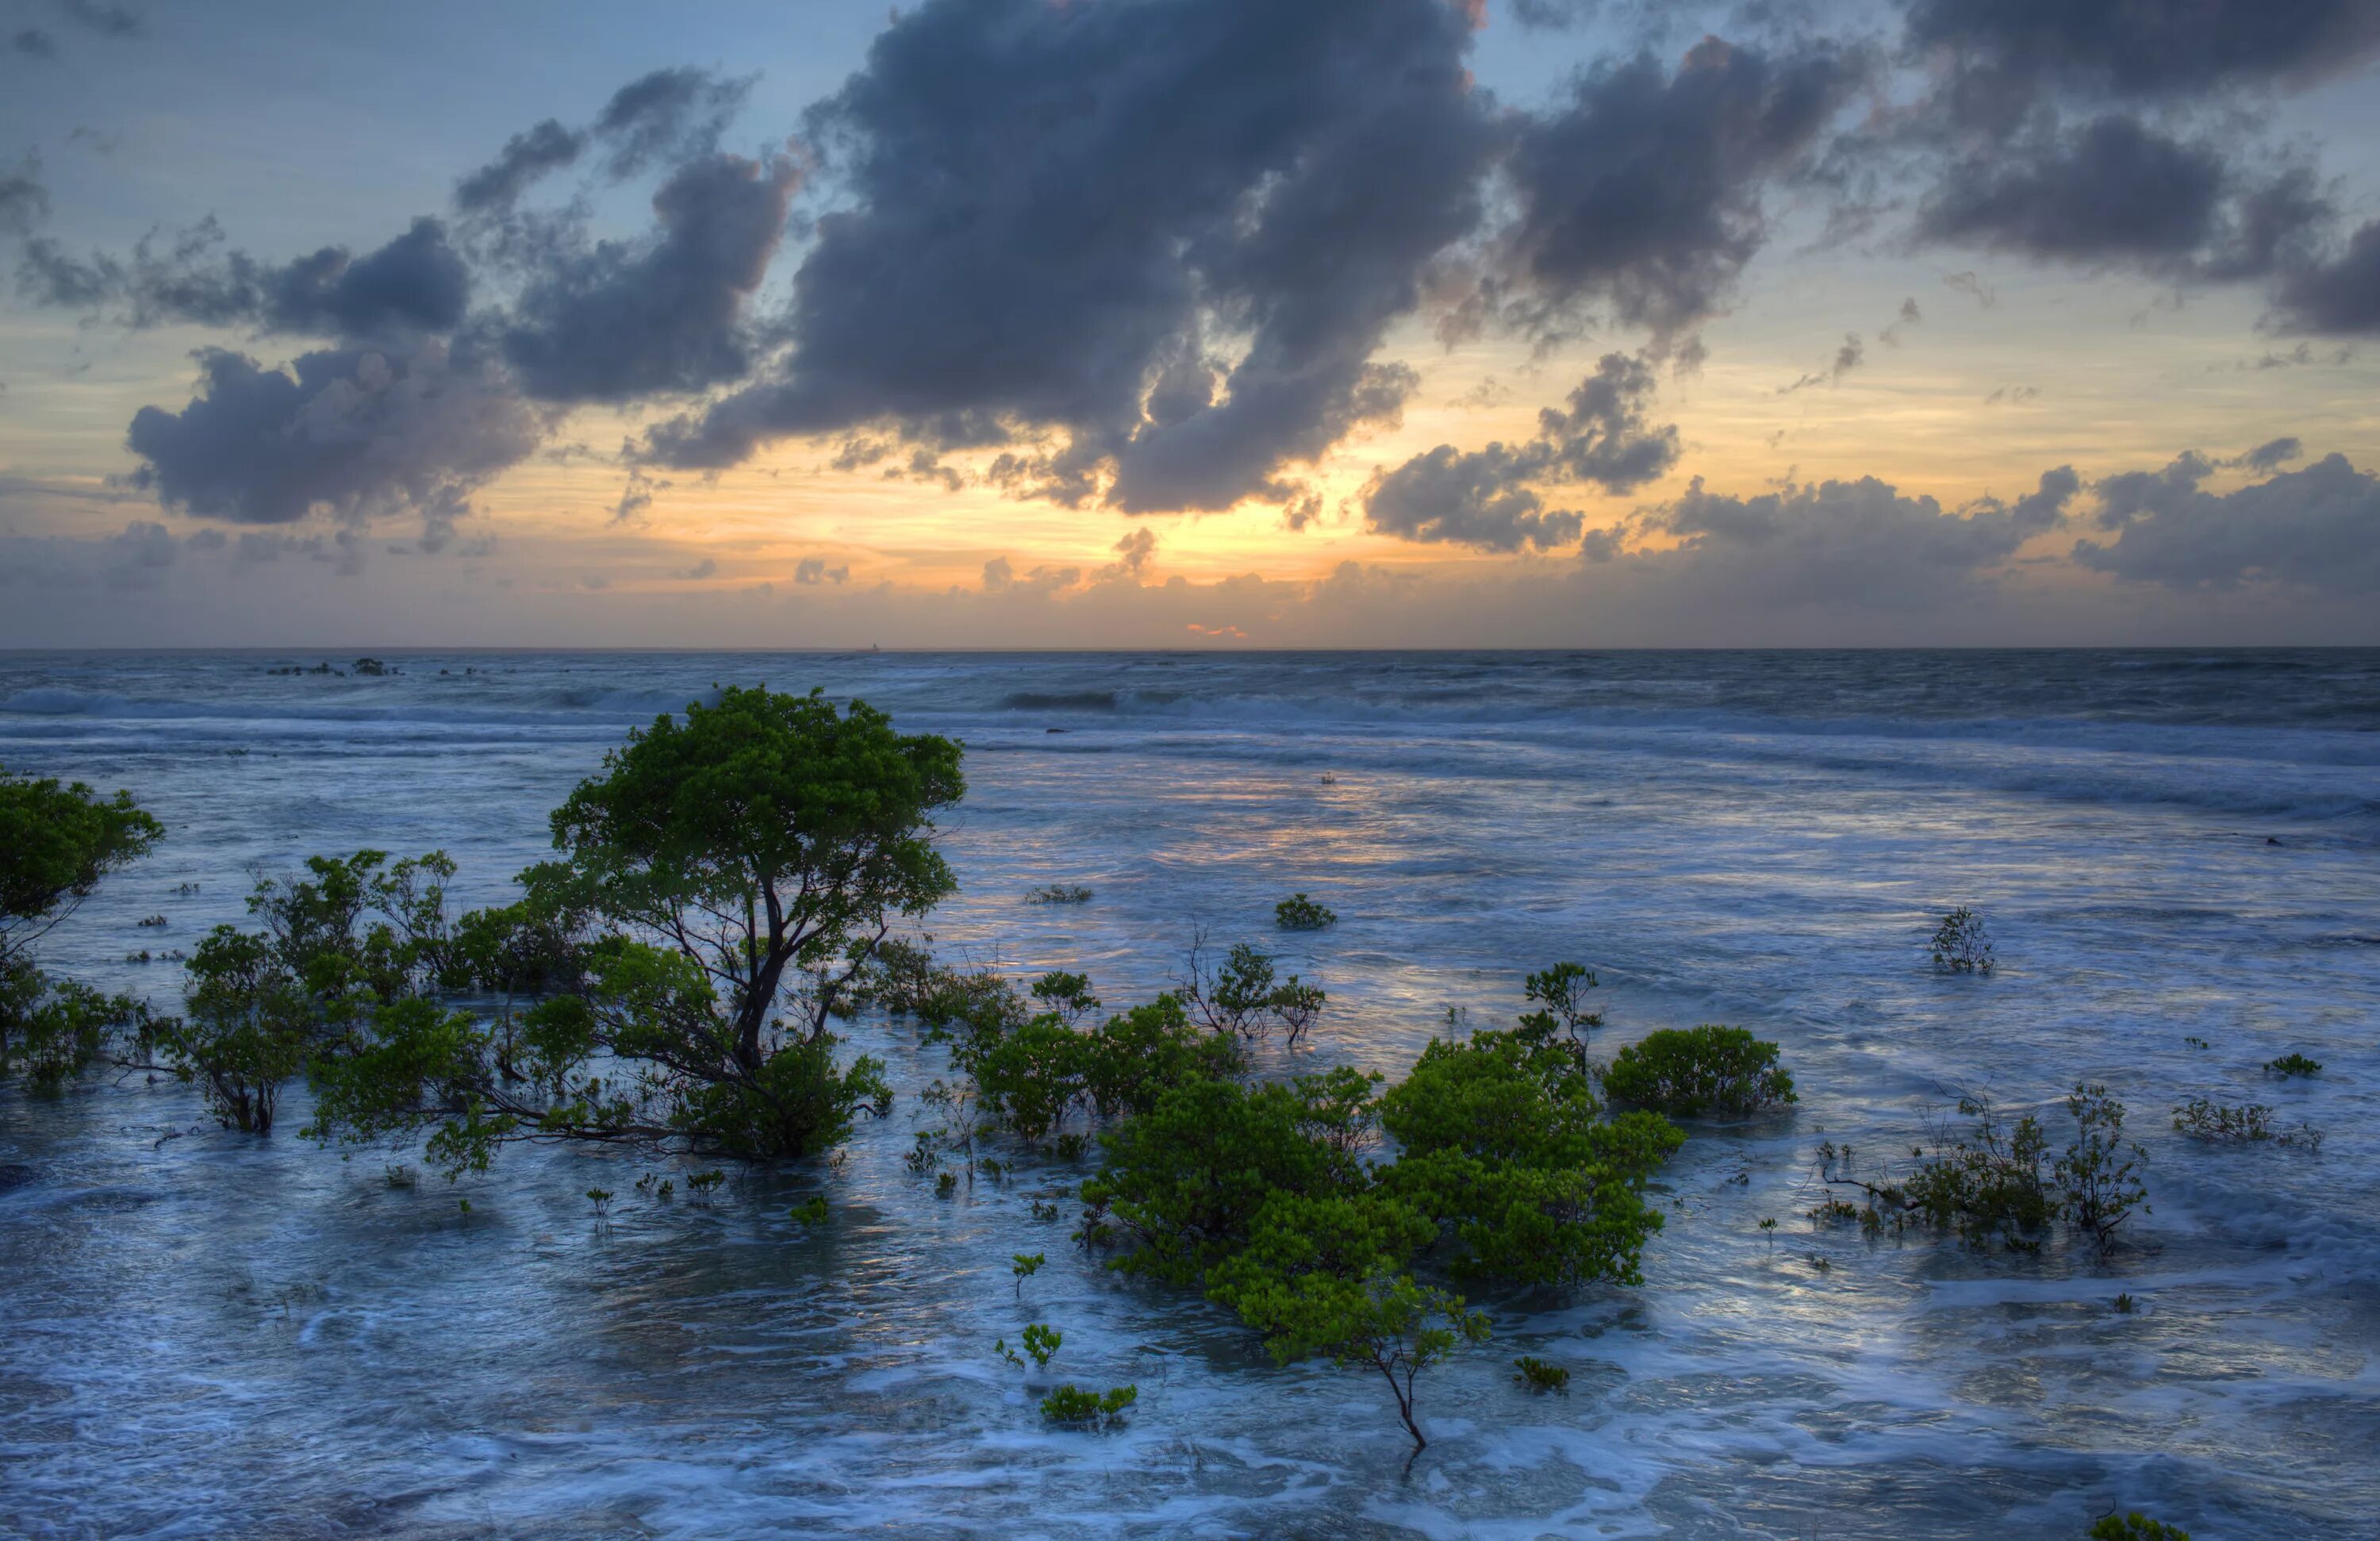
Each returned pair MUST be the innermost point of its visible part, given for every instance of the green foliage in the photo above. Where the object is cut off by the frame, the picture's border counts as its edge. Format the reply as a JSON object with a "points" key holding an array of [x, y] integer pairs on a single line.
{"points": [[1684, 1073], [1025, 1265], [811, 1211], [1040, 1343], [1069, 995], [1297, 913], [2294, 1065], [2249, 1123], [247, 1025], [1059, 894], [1559, 993], [2098, 1178], [2134, 1526], [1074, 1405], [601, 1200], [1989, 1184], [723, 884], [1244, 997], [1960, 944], [1504, 1144], [1539, 1375], [57, 840]]}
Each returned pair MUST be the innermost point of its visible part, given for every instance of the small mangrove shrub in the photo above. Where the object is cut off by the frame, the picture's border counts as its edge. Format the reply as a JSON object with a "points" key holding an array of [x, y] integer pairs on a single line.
{"points": [[2134, 1526], [1688, 1071], [1539, 1375], [2293, 1065], [1960, 943], [1059, 894], [1076, 1407], [1040, 1342], [1025, 1265], [1297, 913], [2247, 1124], [812, 1211]]}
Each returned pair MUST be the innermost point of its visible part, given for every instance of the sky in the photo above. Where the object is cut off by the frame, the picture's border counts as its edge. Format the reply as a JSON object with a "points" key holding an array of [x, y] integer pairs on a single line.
{"points": [[1189, 323]]}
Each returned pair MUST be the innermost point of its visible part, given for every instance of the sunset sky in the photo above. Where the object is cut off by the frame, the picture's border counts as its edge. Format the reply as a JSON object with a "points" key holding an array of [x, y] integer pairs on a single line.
{"points": [[1189, 323]]}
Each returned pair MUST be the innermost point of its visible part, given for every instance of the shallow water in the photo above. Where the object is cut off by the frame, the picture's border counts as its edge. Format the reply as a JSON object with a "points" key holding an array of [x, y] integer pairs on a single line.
{"points": [[203, 1335]]}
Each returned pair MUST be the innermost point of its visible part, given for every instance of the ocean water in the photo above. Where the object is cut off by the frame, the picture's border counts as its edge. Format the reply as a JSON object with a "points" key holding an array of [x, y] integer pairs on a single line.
{"points": [[206, 1335]]}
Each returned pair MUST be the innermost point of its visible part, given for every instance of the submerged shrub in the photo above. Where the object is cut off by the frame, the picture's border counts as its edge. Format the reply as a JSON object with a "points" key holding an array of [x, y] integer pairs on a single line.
{"points": [[1539, 1375], [1989, 1185], [2294, 1065], [2247, 1124], [811, 1211], [2134, 1526], [1960, 944], [1561, 996], [1687, 1072], [1297, 913], [1244, 997], [1076, 1405], [1059, 894]]}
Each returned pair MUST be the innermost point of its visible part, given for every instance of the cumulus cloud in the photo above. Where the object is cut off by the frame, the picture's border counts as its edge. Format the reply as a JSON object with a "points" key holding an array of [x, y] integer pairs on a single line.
{"points": [[2316, 528], [139, 557], [2148, 50], [622, 321], [1150, 245], [2339, 295], [1641, 194], [1847, 542], [1000, 577], [814, 570], [415, 282], [1483, 498], [663, 117], [356, 432]]}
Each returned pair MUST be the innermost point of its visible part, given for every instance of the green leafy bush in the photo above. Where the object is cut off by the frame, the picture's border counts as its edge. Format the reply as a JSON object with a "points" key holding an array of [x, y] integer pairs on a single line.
{"points": [[2294, 1065], [1059, 894], [1539, 1375], [1687, 1072], [2134, 1526], [1297, 913], [2247, 1124], [1960, 944], [1073, 1405]]}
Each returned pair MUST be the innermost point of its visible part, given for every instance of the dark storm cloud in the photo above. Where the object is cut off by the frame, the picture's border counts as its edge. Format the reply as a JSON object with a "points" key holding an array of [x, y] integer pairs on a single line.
{"points": [[664, 118], [1643, 192], [356, 432], [2116, 190], [416, 282], [1483, 499], [622, 321], [2339, 296], [24, 201], [525, 157], [1847, 541], [2143, 48], [669, 114], [1049, 208], [2318, 528]]}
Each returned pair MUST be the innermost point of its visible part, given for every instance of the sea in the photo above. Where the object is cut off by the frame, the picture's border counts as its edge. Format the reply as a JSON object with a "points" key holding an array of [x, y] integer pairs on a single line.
{"points": [[2177, 854]]}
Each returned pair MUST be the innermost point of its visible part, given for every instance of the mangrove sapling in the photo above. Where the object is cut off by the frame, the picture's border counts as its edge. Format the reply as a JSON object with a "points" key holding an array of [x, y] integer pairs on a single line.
{"points": [[2293, 1065], [2134, 1526], [760, 842], [1025, 1265], [1069, 995], [601, 1200], [1040, 1343], [1539, 1375], [1059, 894], [2098, 1178], [1075, 1406], [810, 1212], [1242, 997], [1297, 913], [1960, 944], [704, 1184], [248, 1027], [2249, 1123], [1561, 996], [57, 840], [1686, 1071]]}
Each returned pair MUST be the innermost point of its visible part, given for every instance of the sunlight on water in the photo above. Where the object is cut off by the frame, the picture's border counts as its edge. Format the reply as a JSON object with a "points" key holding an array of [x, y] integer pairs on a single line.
{"points": [[208, 1336]]}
